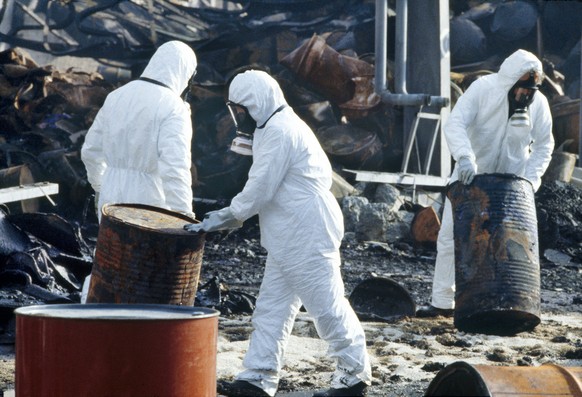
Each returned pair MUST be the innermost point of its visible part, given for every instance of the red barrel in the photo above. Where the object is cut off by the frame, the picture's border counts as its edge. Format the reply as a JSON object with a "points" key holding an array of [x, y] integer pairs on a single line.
{"points": [[115, 350], [144, 255]]}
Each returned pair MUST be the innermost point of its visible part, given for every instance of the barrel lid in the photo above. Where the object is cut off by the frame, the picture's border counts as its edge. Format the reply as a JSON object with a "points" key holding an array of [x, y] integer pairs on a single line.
{"points": [[381, 299], [99, 311], [148, 217]]}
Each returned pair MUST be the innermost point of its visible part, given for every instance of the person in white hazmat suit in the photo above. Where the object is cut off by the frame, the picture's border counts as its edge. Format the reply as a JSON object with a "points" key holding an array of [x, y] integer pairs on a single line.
{"points": [[501, 124], [138, 149], [301, 228]]}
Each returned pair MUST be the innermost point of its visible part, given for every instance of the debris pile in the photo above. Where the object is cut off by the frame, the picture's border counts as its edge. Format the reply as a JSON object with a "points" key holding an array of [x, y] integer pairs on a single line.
{"points": [[47, 249], [45, 113]]}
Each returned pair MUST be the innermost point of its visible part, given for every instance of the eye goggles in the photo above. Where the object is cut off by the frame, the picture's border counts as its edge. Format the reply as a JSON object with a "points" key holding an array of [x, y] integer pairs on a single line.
{"points": [[530, 83], [239, 113]]}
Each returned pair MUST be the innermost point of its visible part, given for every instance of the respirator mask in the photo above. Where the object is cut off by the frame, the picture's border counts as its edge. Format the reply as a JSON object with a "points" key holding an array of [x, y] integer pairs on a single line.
{"points": [[186, 95], [245, 128], [520, 97]]}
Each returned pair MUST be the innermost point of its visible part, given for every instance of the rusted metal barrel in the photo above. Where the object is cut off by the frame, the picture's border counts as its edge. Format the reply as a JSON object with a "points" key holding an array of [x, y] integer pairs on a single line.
{"points": [[330, 72], [381, 299], [561, 167], [352, 146], [143, 255], [497, 270], [566, 124], [115, 350], [463, 379]]}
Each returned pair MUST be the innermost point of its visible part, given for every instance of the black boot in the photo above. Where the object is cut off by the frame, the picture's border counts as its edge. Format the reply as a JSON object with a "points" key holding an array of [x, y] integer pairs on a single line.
{"points": [[239, 388], [357, 390], [431, 311]]}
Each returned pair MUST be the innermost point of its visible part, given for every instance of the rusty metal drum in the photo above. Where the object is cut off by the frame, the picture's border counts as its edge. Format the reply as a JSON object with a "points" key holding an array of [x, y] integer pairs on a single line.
{"points": [[143, 255], [463, 379], [115, 350], [497, 270], [328, 71]]}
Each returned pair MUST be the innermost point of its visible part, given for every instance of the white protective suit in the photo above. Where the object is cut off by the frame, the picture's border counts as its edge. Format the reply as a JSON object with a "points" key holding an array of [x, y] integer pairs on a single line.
{"points": [[301, 227], [479, 127], [138, 149]]}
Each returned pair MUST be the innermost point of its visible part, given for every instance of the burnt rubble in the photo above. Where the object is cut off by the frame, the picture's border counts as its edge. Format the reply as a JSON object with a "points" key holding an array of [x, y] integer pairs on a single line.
{"points": [[44, 114]]}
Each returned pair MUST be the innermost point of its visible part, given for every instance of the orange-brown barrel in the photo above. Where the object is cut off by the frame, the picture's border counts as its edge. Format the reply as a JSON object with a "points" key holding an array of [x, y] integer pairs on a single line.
{"points": [[497, 271], [330, 72], [352, 146], [566, 124], [115, 350], [143, 255], [463, 379]]}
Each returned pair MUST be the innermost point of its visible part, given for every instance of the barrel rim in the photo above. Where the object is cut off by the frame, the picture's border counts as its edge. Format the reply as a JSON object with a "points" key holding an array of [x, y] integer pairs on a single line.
{"points": [[391, 290], [451, 185], [57, 311], [450, 369], [152, 208]]}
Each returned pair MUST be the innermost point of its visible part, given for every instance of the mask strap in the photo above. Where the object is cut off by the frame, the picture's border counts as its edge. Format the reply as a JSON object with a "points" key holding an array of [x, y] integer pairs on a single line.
{"points": [[274, 113], [153, 81]]}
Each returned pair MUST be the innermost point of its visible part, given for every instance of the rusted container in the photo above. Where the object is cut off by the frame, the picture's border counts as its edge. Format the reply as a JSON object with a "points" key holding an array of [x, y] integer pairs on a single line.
{"points": [[497, 270], [566, 124], [115, 350], [17, 176], [143, 255], [561, 167], [381, 299], [351, 146], [364, 101], [330, 72], [463, 379]]}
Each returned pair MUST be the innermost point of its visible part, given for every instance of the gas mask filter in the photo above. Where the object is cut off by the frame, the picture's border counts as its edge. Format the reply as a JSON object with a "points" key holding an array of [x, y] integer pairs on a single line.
{"points": [[245, 128], [519, 118]]}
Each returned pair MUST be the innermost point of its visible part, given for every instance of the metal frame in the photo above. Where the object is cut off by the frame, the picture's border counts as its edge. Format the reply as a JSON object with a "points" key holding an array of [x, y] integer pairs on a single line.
{"points": [[26, 192], [402, 98]]}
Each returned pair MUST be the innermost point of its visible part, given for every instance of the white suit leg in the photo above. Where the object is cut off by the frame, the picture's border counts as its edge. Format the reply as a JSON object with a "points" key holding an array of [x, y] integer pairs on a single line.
{"points": [[443, 286], [273, 319], [321, 289]]}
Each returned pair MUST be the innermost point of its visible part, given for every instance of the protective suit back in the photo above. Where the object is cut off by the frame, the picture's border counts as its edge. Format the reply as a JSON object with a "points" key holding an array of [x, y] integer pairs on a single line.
{"points": [[138, 149]]}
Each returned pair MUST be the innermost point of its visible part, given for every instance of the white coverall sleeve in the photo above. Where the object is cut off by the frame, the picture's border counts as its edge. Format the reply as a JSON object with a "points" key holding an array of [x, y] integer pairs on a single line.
{"points": [[541, 147], [271, 157], [461, 117], [92, 152], [175, 160]]}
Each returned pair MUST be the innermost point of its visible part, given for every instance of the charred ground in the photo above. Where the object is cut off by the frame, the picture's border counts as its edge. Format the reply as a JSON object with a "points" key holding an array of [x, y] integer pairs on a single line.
{"points": [[409, 352]]}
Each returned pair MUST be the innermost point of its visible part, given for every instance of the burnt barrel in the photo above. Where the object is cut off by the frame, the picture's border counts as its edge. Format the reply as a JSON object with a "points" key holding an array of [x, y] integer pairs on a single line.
{"points": [[463, 379], [144, 255], [497, 270]]}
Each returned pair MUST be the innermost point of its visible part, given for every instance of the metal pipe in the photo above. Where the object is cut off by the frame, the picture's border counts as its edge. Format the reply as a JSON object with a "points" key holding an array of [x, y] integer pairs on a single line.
{"points": [[401, 46], [414, 99], [401, 98], [381, 32]]}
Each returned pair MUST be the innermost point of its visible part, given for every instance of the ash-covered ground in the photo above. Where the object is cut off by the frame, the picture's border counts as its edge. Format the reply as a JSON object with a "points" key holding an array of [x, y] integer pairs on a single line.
{"points": [[407, 353]]}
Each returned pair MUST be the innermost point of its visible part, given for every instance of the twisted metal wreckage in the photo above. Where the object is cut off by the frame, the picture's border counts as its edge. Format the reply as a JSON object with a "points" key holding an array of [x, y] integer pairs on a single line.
{"points": [[46, 245]]}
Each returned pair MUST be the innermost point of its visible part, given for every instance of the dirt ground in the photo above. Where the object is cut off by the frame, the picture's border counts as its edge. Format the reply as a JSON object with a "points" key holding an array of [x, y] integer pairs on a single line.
{"points": [[407, 353]]}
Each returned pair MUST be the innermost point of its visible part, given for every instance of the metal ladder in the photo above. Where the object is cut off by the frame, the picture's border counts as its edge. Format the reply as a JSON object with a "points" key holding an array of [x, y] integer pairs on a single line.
{"points": [[412, 142]]}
